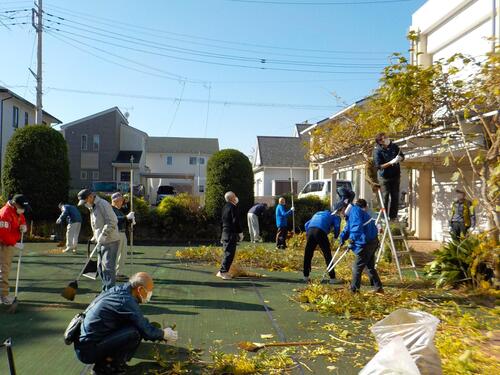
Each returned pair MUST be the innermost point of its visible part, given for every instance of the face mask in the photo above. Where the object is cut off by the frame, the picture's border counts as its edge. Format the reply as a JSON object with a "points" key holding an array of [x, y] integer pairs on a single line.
{"points": [[387, 141], [20, 210], [148, 297], [236, 200]]}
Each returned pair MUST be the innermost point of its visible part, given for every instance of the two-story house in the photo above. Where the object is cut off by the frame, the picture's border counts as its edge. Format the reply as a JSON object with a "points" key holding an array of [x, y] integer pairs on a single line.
{"points": [[103, 147], [17, 112]]}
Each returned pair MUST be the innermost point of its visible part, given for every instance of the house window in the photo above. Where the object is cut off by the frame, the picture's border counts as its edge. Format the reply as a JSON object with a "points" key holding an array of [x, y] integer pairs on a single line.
{"points": [[15, 117], [95, 175], [192, 160], [84, 142], [95, 143], [315, 174], [169, 160], [26, 118], [124, 176], [201, 188], [201, 160], [83, 175]]}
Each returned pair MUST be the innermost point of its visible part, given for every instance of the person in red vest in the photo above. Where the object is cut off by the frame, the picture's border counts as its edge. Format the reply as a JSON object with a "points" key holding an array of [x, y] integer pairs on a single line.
{"points": [[12, 224]]}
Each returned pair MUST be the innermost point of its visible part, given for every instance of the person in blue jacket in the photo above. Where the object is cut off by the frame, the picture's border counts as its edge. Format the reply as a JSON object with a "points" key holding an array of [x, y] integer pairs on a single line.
{"points": [[317, 229], [360, 228], [73, 219], [282, 223]]}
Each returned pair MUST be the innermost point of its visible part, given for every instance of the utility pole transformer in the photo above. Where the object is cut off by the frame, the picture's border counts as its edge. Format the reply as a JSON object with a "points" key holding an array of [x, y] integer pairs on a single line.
{"points": [[37, 22]]}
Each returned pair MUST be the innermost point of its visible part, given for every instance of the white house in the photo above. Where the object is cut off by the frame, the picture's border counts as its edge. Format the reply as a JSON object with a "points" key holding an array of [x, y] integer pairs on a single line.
{"points": [[179, 162], [277, 160], [444, 28], [17, 112]]}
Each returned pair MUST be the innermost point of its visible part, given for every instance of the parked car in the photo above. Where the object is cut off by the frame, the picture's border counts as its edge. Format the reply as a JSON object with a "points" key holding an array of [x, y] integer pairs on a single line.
{"points": [[164, 191], [322, 188]]}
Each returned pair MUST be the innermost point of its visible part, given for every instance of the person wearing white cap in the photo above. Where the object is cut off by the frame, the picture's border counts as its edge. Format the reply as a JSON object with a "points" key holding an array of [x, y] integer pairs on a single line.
{"points": [[105, 228], [117, 201]]}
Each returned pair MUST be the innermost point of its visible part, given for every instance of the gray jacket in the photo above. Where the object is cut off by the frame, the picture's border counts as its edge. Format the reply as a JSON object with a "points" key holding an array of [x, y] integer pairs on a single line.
{"points": [[103, 220]]}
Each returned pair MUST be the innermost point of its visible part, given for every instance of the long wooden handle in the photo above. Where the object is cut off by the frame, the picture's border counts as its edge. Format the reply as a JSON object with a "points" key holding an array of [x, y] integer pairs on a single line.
{"points": [[294, 343]]}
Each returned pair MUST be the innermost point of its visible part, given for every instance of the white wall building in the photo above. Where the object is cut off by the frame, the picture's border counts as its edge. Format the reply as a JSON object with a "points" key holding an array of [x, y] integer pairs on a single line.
{"points": [[17, 112]]}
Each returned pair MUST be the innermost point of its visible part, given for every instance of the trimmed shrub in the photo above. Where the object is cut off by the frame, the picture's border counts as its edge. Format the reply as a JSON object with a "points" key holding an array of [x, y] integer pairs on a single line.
{"points": [[228, 170], [37, 165]]}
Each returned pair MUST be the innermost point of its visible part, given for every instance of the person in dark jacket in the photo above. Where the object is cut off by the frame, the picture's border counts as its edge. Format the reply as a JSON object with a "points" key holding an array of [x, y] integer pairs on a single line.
{"points": [[253, 221], [231, 233], [317, 229], [386, 158], [114, 326], [360, 228], [462, 216], [73, 219], [282, 223]]}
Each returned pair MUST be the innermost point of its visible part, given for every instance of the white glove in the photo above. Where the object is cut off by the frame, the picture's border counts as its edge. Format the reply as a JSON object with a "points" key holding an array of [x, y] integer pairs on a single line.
{"points": [[23, 228], [241, 237], [93, 239], [131, 216], [170, 335], [292, 209], [101, 239], [19, 245], [58, 221]]}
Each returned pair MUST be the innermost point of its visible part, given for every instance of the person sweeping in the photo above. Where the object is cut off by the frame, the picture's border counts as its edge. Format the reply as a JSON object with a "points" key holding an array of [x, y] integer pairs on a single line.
{"points": [[12, 224]]}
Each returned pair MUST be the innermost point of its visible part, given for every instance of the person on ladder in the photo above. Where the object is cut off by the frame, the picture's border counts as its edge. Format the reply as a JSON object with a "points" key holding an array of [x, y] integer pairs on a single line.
{"points": [[317, 229], [360, 228], [386, 158]]}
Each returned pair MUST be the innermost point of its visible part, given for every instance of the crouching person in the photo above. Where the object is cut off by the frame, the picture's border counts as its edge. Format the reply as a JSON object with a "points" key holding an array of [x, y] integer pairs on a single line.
{"points": [[114, 326], [360, 228]]}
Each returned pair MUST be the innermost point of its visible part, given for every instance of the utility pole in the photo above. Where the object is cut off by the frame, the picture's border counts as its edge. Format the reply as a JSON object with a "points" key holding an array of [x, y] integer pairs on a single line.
{"points": [[37, 14]]}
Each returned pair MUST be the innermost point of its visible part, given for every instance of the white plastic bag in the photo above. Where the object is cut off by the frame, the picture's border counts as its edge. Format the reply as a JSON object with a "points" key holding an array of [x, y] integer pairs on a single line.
{"points": [[417, 328], [392, 359]]}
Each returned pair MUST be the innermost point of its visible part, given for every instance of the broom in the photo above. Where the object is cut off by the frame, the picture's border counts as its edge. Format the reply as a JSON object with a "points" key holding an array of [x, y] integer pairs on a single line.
{"points": [[69, 292], [13, 307]]}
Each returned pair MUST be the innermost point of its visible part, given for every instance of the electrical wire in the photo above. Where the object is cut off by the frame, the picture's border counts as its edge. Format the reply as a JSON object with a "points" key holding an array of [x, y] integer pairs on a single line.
{"points": [[178, 102], [320, 3]]}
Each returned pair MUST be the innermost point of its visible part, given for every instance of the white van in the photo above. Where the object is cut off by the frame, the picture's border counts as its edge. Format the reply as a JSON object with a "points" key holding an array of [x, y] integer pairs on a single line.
{"points": [[322, 188]]}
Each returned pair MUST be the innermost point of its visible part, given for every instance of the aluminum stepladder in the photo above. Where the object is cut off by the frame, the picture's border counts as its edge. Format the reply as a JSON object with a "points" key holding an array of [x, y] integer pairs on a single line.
{"points": [[397, 255]]}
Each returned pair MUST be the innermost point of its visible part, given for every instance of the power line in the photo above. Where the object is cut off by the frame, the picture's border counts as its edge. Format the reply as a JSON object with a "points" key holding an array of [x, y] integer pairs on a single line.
{"points": [[115, 24], [320, 3], [178, 102], [200, 101], [188, 51], [203, 61]]}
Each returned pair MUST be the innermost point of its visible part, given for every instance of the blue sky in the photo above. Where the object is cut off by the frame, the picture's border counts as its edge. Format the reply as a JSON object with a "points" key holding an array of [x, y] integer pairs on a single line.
{"points": [[349, 42]]}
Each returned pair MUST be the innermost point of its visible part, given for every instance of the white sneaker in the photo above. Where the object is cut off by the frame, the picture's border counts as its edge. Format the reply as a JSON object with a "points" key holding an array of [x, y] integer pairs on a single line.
{"points": [[74, 251], [66, 250], [224, 275], [335, 282], [7, 300]]}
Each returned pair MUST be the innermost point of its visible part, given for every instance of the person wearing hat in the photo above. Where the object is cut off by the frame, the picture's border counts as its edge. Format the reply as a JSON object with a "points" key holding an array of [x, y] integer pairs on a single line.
{"points": [[317, 229], [12, 224], [73, 219], [105, 229], [362, 232], [462, 216], [117, 203]]}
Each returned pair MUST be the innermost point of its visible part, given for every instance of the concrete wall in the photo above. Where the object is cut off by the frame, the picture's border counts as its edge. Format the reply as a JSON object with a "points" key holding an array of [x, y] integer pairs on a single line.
{"points": [[108, 128]]}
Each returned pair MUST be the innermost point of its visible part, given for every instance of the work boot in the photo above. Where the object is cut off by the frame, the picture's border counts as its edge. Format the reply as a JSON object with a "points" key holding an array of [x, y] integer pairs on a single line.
{"points": [[7, 300], [379, 291], [103, 369], [224, 275]]}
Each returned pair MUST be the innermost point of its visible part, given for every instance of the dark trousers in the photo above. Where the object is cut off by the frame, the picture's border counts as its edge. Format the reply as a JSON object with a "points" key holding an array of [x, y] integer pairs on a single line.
{"points": [[390, 188], [315, 237], [120, 346], [281, 237], [229, 247], [366, 258], [458, 229]]}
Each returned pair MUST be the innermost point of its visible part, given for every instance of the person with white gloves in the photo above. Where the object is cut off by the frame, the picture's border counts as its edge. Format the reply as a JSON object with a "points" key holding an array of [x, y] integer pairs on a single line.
{"points": [[114, 326], [117, 203], [386, 158], [231, 233], [12, 225], [105, 228]]}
